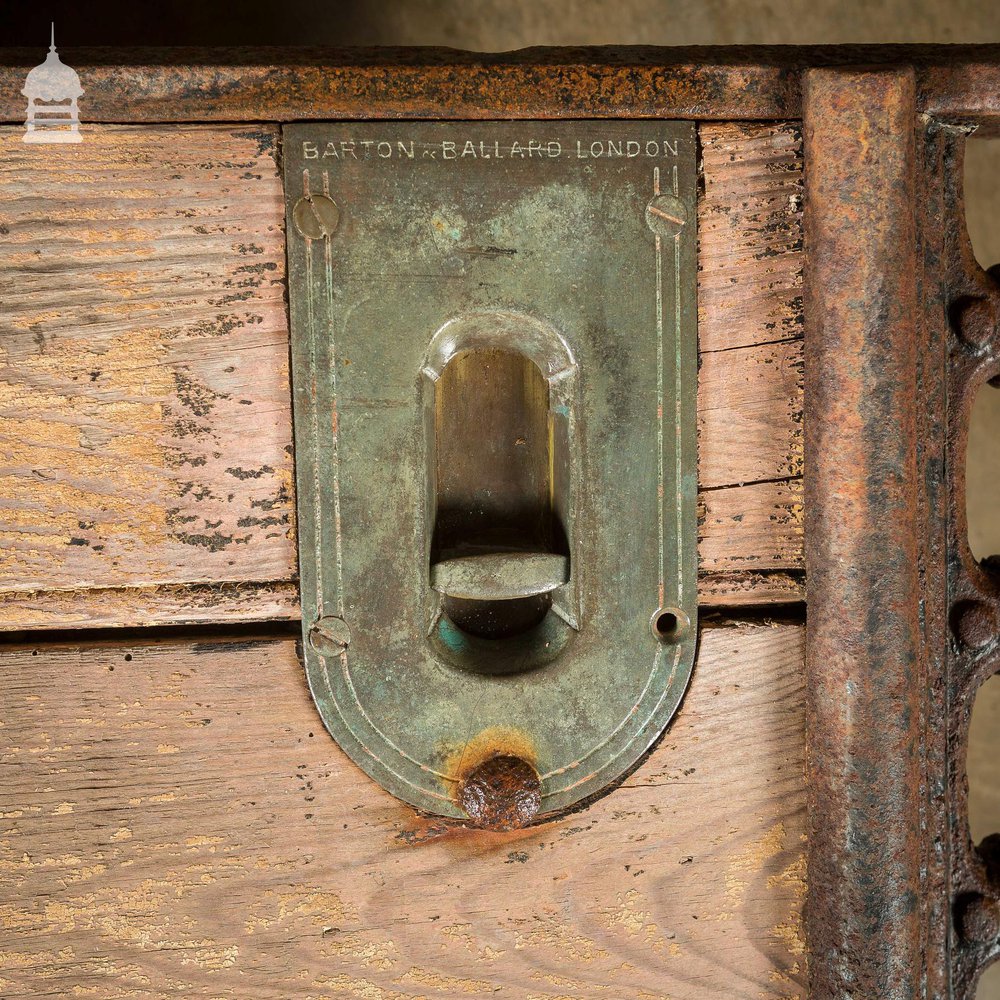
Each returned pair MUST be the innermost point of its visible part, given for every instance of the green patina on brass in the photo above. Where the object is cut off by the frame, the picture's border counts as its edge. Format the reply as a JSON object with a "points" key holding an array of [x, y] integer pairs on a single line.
{"points": [[494, 369]]}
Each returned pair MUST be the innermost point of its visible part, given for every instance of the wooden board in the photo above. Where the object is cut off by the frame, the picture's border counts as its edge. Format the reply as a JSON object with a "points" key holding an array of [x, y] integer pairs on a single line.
{"points": [[144, 394], [750, 380], [174, 822], [145, 428]]}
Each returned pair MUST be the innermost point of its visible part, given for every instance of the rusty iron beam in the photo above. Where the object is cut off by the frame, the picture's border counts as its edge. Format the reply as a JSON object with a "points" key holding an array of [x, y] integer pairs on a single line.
{"points": [[956, 82], [866, 670]]}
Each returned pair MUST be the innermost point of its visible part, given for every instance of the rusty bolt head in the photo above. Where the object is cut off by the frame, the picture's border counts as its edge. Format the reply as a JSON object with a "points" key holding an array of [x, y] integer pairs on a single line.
{"points": [[316, 216], [503, 793], [978, 919], [973, 623], [973, 319], [330, 636], [666, 215]]}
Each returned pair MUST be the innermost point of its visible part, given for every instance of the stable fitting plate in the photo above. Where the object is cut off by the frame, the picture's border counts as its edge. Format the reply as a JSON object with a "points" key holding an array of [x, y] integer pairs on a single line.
{"points": [[580, 232]]}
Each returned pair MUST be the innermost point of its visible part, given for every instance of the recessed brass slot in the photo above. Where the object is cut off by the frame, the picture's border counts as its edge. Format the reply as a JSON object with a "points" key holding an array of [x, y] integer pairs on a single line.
{"points": [[499, 546]]}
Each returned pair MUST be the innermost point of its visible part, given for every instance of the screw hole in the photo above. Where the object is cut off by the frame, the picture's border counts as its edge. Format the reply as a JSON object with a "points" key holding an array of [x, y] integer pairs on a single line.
{"points": [[669, 624]]}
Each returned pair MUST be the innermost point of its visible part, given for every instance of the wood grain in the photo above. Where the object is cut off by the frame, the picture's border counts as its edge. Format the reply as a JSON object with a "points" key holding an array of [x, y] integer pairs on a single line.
{"points": [[143, 361], [750, 379], [175, 823], [750, 235], [145, 427]]}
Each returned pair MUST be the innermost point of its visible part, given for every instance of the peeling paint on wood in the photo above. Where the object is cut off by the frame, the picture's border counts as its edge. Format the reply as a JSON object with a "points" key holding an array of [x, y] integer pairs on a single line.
{"points": [[175, 823]]}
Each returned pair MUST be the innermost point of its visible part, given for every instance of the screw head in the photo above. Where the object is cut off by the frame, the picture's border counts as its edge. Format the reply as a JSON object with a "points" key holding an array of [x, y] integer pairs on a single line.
{"points": [[316, 216], [330, 636], [666, 215]]}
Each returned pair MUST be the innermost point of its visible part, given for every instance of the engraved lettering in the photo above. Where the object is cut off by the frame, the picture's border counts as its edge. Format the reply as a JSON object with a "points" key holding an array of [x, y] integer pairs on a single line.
{"points": [[489, 149]]}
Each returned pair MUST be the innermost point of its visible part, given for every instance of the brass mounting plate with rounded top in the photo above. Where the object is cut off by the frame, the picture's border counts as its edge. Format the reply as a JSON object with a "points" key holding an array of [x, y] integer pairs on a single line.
{"points": [[494, 371]]}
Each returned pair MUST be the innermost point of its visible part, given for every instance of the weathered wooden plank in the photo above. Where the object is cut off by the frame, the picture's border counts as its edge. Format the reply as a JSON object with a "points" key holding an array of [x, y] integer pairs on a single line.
{"points": [[748, 589], [750, 235], [145, 430], [750, 378], [750, 416], [757, 530], [175, 823], [144, 401], [167, 604]]}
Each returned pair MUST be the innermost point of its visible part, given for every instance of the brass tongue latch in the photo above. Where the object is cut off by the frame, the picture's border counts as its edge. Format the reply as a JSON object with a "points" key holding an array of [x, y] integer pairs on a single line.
{"points": [[494, 369]]}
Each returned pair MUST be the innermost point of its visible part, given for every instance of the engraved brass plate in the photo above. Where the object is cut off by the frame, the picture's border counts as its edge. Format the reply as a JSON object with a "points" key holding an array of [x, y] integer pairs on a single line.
{"points": [[494, 371]]}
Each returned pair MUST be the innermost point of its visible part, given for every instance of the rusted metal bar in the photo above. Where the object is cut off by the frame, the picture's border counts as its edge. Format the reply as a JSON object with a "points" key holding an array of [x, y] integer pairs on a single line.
{"points": [[322, 84], [955, 82], [867, 683]]}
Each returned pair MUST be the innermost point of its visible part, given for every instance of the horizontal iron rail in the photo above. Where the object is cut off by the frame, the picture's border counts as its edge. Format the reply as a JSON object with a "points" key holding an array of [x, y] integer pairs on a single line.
{"points": [[953, 82]]}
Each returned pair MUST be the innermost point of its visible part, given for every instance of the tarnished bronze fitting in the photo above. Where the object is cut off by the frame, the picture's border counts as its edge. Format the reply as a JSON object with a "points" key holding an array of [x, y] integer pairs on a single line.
{"points": [[502, 793]]}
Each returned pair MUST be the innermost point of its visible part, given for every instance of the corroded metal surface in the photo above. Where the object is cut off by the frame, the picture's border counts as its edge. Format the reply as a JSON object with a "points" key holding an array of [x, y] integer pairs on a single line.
{"points": [[870, 500], [957, 82], [494, 360], [903, 621], [502, 793], [502, 576]]}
